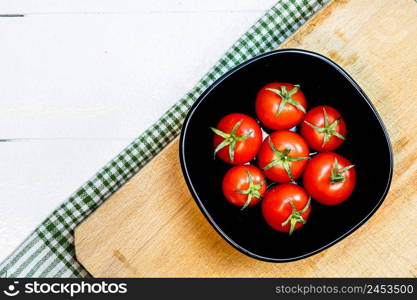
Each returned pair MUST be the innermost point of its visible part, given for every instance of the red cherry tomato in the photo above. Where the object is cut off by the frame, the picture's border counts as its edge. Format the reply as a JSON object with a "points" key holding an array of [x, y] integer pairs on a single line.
{"points": [[244, 185], [286, 207], [283, 156], [323, 128], [237, 138], [329, 178], [280, 105]]}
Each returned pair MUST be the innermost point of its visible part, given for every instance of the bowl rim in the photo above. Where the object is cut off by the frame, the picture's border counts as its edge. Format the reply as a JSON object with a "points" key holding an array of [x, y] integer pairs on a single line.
{"points": [[195, 194]]}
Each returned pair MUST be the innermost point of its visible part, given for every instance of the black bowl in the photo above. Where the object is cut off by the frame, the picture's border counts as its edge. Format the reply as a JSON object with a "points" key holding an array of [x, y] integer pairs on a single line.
{"points": [[323, 83]]}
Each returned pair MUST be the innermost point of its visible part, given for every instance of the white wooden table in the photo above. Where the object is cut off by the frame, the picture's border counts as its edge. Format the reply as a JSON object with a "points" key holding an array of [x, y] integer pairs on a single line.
{"points": [[81, 79]]}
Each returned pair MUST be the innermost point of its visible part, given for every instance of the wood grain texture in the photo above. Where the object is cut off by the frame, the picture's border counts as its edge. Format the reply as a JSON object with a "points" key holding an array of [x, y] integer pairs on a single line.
{"points": [[151, 227], [78, 83]]}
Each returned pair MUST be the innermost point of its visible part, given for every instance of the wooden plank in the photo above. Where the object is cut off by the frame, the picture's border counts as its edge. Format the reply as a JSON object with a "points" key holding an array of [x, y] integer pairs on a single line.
{"points": [[152, 227], [78, 83]]}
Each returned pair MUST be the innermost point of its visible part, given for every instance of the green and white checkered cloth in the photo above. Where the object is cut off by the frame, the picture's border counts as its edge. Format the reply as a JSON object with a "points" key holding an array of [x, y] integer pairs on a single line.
{"points": [[49, 250]]}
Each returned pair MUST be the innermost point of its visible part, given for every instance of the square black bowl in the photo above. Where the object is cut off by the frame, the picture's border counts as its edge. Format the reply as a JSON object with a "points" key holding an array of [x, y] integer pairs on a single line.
{"points": [[323, 83]]}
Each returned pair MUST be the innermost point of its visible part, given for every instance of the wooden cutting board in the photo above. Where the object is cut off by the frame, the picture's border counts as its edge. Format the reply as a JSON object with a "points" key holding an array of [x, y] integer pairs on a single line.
{"points": [[152, 227]]}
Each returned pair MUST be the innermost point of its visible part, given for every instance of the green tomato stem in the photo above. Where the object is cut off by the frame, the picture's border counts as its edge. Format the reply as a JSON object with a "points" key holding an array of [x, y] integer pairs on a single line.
{"points": [[286, 97], [282, 158], [252, 191], [230, 139], [337, 174], [295, 216], [328, 128]]}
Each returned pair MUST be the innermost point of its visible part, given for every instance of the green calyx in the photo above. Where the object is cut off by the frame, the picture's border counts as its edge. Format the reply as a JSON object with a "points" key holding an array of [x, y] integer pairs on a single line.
{"points": [[286, 97], [252, 191], [295, 216], [337, 174], [282, 158], [230, 139], [328, 129]]}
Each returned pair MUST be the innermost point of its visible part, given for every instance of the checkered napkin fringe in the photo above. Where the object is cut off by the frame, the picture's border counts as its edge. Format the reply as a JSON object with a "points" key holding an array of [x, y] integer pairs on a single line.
{"points": [[49, 250]]}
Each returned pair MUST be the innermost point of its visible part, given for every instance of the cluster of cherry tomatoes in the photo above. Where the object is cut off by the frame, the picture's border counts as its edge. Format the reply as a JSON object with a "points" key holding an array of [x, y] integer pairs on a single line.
{"points": [[283, 156]]}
